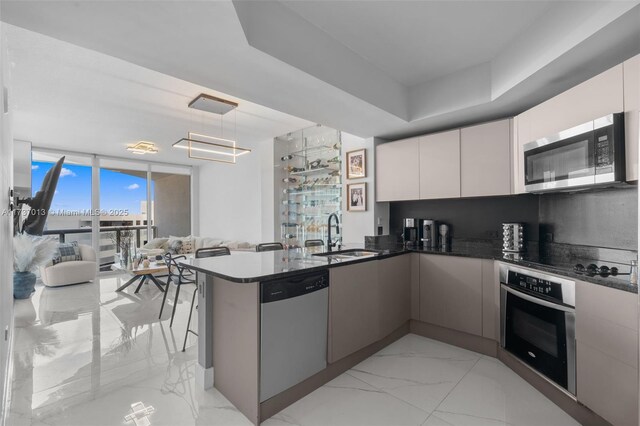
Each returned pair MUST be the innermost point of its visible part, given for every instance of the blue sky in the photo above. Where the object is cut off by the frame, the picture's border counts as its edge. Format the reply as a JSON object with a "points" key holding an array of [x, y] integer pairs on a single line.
{"points": [[117, 190]]}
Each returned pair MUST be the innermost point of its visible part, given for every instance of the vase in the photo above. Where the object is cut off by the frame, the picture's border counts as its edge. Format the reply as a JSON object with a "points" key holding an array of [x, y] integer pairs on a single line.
{"points": [[23, 284]]}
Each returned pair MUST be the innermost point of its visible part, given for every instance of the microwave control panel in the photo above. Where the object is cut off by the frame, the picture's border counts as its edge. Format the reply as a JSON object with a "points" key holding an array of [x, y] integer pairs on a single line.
{"points": [[604, 155]]}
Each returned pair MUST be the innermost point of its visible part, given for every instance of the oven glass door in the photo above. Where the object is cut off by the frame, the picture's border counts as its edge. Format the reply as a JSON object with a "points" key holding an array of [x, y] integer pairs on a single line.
{"points": [[537, 335], [567, 163]]}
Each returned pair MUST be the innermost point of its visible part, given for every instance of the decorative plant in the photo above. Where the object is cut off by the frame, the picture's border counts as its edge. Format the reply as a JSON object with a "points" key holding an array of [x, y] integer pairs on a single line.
{"points": [[30, 252], [124, 242]]}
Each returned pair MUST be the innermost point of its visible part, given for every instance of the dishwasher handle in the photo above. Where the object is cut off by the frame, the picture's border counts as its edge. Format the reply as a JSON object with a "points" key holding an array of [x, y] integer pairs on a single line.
{"points": [[299, 285]]}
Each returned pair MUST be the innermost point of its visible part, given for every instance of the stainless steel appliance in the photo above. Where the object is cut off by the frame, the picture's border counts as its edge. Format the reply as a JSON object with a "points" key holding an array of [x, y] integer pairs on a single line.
{"points": [[586, 155], [410, 232], [537, 313], [428, 233], [444, 236], [293, 331], [513, 238]]}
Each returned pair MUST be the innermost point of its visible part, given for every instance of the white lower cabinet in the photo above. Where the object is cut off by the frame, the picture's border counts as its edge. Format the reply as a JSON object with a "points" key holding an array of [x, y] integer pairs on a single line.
{"points": [[451, 292], [607, 352]]}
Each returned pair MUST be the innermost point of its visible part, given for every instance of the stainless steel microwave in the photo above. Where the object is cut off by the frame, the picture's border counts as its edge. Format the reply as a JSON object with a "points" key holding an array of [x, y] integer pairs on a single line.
{"points": [[586, 155]]}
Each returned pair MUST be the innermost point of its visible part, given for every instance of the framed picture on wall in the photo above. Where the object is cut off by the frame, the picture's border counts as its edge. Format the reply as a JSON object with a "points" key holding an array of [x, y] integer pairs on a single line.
{"points": [[357, 197], [356, 164]]}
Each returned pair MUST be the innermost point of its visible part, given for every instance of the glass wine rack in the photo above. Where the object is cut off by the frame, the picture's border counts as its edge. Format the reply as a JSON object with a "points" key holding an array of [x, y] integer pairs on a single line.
{"points": [[308, 183]]}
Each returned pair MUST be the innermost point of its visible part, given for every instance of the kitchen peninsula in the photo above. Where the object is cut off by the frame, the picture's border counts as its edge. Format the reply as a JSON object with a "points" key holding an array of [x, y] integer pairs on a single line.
{"points": [[373, 299]]}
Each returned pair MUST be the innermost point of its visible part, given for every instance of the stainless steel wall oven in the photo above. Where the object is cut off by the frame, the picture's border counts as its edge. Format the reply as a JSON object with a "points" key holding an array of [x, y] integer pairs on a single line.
{"points": [[537, 313]]}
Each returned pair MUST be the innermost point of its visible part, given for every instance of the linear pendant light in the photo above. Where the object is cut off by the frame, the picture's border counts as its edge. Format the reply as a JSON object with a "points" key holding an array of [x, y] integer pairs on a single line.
{"points": [[211, 148]]}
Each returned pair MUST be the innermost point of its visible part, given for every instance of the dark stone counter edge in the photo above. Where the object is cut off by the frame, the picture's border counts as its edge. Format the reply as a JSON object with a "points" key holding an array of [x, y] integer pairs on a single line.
{"points": [[615, 283]]}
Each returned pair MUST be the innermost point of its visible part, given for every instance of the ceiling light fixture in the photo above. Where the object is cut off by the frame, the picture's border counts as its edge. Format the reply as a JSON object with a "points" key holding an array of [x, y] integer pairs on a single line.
{"points": [[143, 147], [212, 148], [209, 149]]}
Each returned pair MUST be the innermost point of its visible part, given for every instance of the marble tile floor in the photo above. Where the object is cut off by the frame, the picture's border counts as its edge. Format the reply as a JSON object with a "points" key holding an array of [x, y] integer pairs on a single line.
{"points": [[84, 354]]}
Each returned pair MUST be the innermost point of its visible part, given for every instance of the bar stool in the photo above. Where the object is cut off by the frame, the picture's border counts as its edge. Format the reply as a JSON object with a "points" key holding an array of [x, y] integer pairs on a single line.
{"points": [[269, 246], [201, 253], [313, 243], [178, 275]]}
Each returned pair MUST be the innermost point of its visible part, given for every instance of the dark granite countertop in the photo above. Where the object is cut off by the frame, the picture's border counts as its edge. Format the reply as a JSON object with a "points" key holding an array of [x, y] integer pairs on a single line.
{"points": [[245, 267]]}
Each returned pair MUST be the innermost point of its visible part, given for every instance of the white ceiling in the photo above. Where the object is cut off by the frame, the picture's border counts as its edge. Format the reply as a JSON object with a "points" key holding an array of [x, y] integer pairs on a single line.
{"points": [[416, 41], [67, 97], [371, 68]]}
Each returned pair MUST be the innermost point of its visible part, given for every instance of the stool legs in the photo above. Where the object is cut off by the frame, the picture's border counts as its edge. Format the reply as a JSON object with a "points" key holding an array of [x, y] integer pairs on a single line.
{"points": [[186, 333]]}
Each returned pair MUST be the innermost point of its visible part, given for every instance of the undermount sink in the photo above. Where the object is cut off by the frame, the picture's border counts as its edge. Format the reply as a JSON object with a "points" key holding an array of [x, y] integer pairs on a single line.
{"points": [[350, 254]]}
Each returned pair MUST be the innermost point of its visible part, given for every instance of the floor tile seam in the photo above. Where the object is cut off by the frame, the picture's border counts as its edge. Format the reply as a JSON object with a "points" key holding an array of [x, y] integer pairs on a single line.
{"points": [[474, 416], [457, 384], [391, 395]]}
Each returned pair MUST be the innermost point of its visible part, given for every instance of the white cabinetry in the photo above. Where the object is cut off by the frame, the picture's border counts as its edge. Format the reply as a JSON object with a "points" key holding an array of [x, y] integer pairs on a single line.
{"points": [[440, 165], [398, 170], [485, 162]]}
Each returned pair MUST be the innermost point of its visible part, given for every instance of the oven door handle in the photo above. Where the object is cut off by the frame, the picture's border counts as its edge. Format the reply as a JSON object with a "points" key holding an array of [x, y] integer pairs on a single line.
{"points": [[537, 301]]}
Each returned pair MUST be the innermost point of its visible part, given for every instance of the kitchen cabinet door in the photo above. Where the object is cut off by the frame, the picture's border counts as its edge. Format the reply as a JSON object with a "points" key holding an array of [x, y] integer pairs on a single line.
{"points": [[485, 159], [397, 170], [394, 280], [490, 300], [353, 309], [451, 292], [440, 165], [607, 352], [632, 114]]}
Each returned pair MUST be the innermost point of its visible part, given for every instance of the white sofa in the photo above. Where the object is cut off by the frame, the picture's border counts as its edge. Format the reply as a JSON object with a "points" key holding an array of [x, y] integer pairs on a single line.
{"points": [[73, 272], [160, 245]]}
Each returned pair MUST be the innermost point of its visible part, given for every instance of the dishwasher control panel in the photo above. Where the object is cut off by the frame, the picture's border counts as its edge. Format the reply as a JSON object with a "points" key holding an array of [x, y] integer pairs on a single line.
{"points": [[297, 285]]}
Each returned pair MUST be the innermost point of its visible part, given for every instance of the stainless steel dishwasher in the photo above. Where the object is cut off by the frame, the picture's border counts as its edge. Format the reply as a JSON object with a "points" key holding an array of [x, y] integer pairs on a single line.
{"points": [[293, 330]]}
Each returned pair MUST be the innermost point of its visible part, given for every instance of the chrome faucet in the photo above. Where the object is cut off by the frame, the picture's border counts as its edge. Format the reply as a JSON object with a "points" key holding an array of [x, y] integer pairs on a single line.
{"points": [[331, 244]]}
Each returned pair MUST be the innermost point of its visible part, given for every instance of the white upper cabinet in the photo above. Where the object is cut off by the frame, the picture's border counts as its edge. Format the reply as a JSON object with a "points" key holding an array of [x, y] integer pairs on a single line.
{"points": [[485, 159], [631, 70], [440, 165], [398, 170]]}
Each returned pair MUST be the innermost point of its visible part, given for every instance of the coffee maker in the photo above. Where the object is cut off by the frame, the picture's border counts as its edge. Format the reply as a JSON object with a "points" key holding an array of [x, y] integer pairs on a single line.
{"points": [[410, 232], [428, 233], [444, 236]]}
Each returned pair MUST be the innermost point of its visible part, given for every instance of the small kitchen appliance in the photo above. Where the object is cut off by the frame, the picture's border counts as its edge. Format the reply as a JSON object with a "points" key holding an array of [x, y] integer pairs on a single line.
{"points": [[410, 232], [513, 238], [428, 233], [444, 236]]}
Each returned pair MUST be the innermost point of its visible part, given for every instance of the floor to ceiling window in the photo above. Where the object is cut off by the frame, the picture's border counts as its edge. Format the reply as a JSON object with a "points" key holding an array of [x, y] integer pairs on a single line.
{"points": [[70, 213], [170, 200], [136, 200]]}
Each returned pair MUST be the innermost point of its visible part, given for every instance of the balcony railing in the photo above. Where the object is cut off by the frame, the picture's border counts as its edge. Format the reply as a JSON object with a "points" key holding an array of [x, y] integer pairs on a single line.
{"points": [[105, 261]]}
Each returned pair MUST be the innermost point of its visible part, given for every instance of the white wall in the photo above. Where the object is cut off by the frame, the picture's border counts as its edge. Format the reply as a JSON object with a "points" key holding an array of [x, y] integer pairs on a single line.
{"points": [[357, 225], [6, 232], [235, 202]]}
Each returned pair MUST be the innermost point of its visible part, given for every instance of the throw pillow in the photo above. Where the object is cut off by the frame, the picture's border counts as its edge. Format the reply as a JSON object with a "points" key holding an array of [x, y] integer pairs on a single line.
{"points": [[67, 252], [156, 243], [187, 245], [175, 246]]}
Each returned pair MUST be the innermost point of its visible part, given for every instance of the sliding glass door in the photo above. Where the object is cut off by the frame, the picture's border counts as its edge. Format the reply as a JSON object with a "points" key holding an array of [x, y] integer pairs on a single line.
{"points": [[124, 214], [110, 200], [70, 214]]}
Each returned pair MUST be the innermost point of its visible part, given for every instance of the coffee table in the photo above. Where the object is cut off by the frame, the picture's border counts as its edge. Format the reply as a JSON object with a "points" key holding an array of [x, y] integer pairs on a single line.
{"points": [[142, 274]]}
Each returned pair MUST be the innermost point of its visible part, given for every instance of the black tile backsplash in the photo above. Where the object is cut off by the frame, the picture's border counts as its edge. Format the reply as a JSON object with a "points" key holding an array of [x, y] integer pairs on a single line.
{"points": [[598, 218], [605, 218]]}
